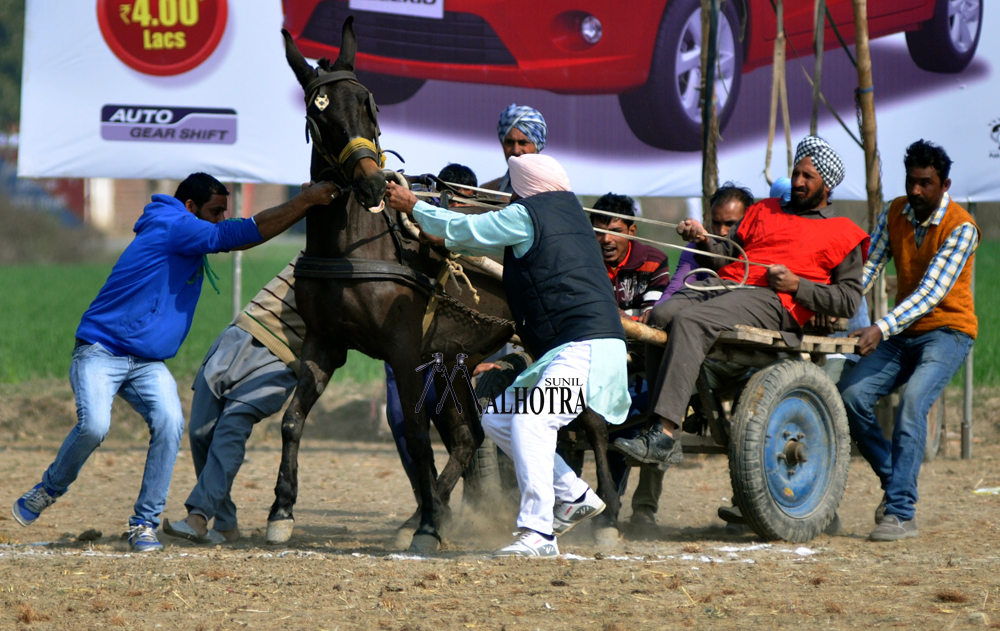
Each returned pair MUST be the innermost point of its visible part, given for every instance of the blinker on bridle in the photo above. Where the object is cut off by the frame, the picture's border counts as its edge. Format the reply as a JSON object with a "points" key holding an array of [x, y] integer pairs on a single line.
{"points": [[356, 148]]}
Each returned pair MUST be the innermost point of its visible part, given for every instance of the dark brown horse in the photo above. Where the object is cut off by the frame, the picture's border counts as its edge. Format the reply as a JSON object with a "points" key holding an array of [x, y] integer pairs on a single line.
{"points": [[364, 284]]}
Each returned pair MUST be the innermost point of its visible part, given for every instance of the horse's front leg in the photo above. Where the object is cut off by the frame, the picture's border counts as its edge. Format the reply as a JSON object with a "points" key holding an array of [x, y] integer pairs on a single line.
{"points": [[596, 430], [318, 362], [427, 537], [465, 435]]}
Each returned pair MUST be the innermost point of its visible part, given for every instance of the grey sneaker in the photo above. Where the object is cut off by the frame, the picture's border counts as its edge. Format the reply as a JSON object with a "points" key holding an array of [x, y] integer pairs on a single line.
{"points": [[568, 514], [892, 528], [530, 544]]}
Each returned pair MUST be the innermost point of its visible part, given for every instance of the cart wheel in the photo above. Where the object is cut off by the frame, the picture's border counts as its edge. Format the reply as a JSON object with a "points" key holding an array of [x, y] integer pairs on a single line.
{"points": [[789, 451]]}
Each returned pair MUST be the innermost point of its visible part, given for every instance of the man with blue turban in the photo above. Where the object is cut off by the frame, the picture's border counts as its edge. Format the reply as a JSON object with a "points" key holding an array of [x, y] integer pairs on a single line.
{"points": [[522, 130]]}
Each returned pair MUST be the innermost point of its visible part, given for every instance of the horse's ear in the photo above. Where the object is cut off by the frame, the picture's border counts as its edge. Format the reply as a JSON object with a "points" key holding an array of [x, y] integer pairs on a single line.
{"points": [[303, 71], [348, 46]]}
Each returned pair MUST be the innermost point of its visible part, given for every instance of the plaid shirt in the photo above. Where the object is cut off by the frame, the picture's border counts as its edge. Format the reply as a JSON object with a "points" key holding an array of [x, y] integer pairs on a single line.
{"points": [[940, 276]]}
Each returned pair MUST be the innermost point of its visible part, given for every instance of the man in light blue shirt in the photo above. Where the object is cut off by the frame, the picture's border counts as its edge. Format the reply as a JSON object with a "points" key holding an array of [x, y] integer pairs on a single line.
{"points": [[567, 318]]}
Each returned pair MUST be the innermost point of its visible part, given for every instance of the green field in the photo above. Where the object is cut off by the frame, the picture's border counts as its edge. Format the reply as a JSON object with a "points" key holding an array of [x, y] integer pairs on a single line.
{"points": [[40, 307]]}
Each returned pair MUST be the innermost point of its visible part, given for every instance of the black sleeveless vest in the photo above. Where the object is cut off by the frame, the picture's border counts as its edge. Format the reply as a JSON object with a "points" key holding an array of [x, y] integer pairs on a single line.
{"points": [[558, 291]]}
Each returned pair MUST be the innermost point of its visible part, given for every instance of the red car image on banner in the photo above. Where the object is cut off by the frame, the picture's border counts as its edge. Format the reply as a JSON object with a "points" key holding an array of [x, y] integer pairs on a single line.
{"points": [[648, 53]]}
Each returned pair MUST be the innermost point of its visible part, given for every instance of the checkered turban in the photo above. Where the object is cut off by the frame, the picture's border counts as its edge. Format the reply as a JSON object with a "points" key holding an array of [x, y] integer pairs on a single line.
{"points": [[527, 119], [824, 158]]}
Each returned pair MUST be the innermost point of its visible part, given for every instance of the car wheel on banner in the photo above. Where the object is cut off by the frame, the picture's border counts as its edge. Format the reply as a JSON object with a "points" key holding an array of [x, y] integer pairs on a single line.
{"points": [[389, 89], [665, 113], [947, 42], [162, 37]]}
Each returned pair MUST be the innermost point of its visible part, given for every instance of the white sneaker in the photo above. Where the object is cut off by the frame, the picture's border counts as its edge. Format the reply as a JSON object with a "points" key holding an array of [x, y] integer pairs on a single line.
{"points": [[529, 544], [568, 514]]}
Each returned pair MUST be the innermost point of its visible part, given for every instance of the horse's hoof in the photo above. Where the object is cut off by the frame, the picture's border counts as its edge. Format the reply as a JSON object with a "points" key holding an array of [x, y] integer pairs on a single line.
{"points": [[280, 531], [424, 544], [404, 536], [606, 538]]}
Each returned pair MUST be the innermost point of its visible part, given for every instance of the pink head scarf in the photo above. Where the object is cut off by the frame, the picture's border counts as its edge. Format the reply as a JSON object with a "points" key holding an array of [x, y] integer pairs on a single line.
{"points": [[534, 173]]}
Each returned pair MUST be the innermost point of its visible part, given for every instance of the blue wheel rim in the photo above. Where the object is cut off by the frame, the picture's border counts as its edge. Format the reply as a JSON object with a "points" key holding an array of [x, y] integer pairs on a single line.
{"points": [[800, 412]]}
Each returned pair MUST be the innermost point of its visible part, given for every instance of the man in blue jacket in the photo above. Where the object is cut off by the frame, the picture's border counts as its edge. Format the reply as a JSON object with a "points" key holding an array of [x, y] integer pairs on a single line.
{"points": [[139, 319]]}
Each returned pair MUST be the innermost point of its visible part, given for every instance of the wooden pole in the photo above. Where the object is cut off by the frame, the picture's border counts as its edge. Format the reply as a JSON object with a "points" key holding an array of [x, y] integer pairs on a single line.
{"points": [[866, 95], [967, 407], [709, 114], [818, 67]]}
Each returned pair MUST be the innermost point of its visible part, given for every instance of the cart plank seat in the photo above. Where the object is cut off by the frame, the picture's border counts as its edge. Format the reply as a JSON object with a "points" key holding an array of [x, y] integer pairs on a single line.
{"points": [[744, 335]]}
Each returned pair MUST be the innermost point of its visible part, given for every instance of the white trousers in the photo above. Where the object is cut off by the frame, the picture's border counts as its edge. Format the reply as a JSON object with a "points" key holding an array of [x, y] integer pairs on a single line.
{"points": [[530, 439]]}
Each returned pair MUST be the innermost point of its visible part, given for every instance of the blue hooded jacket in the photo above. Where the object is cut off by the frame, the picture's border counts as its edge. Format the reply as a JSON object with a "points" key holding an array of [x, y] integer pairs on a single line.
{"points": [[146, 306]]}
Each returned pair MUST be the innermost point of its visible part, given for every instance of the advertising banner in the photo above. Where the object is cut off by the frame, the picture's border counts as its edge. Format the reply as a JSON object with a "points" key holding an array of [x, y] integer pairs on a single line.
{"points": [[619, 87], [159, 89]]}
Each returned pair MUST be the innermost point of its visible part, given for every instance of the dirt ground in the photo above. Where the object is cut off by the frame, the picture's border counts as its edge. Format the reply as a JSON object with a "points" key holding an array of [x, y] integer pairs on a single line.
{"points": [[342, 570]]}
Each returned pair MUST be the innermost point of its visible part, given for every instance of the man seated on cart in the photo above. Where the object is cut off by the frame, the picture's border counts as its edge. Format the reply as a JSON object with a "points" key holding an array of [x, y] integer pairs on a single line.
{"points": [[802, 260], [924, 340]]}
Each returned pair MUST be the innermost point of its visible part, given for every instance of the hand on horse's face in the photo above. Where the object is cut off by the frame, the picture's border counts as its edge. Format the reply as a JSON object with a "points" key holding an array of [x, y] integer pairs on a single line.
{"points": [[319, 193], [400, 198]]}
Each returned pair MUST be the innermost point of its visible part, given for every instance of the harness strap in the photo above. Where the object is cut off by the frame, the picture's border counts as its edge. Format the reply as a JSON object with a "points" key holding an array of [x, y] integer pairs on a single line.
{"points": [[362, 269], [329, 77]]}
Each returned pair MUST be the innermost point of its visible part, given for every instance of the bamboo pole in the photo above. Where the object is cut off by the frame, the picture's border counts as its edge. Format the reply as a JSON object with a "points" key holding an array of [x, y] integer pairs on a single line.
{"points": [[820, 18], [709, 113], [866, 95]]}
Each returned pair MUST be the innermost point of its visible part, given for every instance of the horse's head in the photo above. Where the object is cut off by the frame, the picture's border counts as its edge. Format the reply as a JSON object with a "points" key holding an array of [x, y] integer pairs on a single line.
{"points": [[342, 120]]}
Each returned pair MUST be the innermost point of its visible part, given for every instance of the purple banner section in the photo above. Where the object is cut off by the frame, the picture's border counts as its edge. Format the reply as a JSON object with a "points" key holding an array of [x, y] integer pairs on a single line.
{"points": [[219, 130]]}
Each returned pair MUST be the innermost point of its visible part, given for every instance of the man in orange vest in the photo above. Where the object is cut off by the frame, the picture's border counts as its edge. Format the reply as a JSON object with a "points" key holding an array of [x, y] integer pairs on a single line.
{"points": [[806, 261], [924, 340]]}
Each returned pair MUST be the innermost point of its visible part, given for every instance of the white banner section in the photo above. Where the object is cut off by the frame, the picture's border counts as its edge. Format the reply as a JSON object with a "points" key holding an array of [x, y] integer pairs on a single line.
{"points": [[159, 89]]}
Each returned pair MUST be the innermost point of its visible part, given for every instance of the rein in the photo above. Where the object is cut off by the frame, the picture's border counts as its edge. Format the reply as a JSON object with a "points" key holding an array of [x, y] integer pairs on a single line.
{"points": [[498, 204]]}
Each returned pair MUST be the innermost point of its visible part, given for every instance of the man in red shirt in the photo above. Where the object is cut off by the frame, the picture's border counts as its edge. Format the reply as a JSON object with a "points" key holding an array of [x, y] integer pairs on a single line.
{"points": [[813, 261]]}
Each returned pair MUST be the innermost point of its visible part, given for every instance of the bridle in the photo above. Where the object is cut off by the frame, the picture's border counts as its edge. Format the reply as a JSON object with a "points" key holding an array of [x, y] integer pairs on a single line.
{"points": [[357, 148]]}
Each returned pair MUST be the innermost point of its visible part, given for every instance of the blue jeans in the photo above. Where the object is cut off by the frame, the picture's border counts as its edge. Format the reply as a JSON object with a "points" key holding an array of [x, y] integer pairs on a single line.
{"points": [[97, 376], [925, 363]]}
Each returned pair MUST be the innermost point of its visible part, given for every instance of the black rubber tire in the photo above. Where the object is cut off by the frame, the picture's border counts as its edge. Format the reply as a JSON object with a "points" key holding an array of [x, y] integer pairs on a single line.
{"points": [[654, 112], [765, 390], [932, 48], [389, 89], [490, 475]]}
